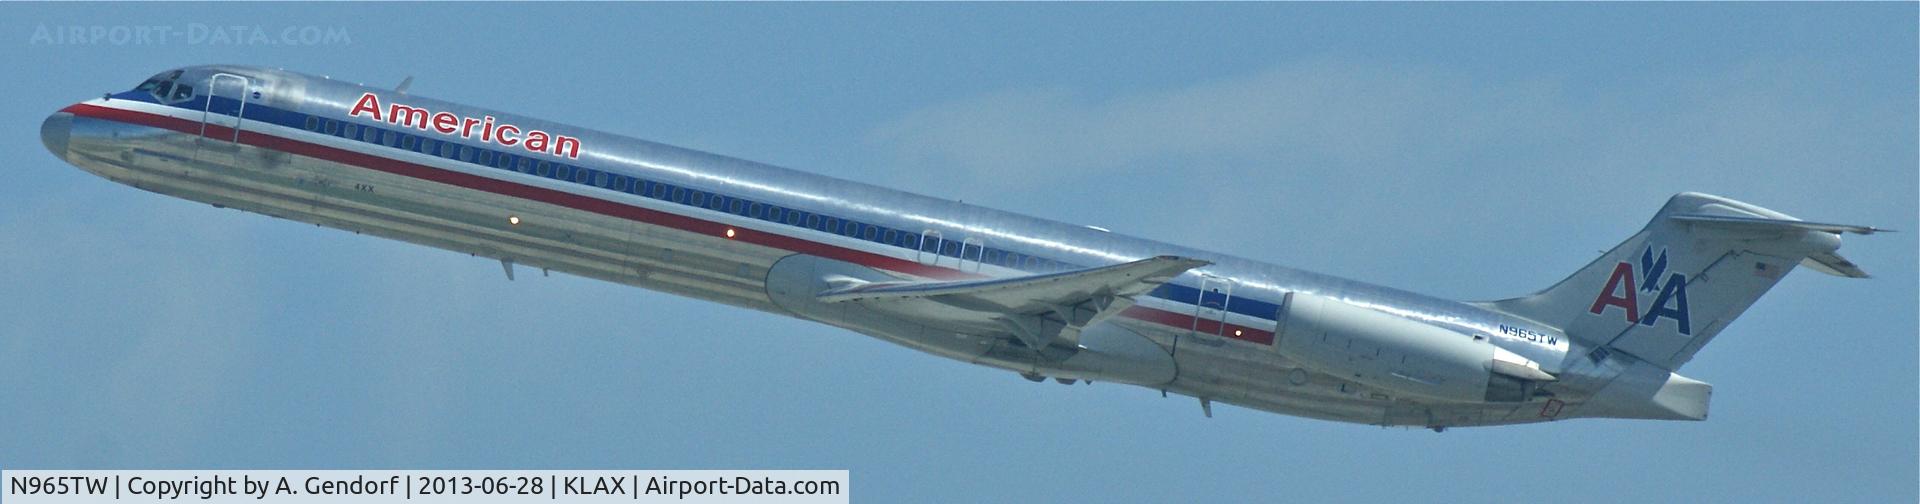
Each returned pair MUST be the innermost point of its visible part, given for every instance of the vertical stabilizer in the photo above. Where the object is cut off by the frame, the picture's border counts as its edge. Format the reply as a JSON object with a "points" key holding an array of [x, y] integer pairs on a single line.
{"points": [[1667, 290]]}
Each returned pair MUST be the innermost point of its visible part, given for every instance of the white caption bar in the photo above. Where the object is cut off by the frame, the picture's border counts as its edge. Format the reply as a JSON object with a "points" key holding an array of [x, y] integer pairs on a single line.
{"points": [[71, 487]]}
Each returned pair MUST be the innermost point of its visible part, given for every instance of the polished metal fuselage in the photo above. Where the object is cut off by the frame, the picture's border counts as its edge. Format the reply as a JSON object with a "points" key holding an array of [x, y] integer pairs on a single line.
{"points": [[662, 245]]}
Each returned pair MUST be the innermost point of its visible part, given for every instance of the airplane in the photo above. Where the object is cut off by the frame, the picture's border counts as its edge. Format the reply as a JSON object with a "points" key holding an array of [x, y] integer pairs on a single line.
{"points": [[1040, 298]]}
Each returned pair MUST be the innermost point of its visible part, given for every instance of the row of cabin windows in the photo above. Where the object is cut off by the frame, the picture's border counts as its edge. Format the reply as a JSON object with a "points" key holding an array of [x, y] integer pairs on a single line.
{"points": [[670, 193]]}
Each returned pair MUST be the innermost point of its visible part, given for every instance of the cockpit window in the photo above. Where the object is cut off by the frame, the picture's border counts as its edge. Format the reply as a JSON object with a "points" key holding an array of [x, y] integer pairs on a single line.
{"points": [[181, 92], [164, 88]]}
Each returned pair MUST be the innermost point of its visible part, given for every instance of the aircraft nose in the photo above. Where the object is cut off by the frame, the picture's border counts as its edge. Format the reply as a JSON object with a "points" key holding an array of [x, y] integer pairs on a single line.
{"points": [[54, 132]]}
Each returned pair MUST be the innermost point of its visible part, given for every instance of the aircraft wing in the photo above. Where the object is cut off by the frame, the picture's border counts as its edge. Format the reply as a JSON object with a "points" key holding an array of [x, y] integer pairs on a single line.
{"points": [[1040, 310]]}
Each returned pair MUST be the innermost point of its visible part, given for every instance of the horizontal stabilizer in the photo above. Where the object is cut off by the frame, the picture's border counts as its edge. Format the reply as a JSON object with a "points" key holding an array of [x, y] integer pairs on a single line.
{"points": [[1037, 309], [1762, 222], [1825, 262]]}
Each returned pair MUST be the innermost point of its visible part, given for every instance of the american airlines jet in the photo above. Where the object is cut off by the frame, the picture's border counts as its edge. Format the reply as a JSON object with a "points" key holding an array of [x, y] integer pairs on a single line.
{"points": [[1039, 298]]}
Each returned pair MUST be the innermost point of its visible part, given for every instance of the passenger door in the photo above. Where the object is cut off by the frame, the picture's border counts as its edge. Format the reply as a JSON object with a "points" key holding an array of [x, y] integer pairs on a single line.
{"points": [[227, 97], [971, 250], [221, 116], [1210, 309], [929, 252]]}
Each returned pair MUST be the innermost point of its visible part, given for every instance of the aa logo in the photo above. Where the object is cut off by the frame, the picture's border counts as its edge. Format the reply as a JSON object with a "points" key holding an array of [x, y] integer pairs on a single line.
{"points": [[1624, 288]]}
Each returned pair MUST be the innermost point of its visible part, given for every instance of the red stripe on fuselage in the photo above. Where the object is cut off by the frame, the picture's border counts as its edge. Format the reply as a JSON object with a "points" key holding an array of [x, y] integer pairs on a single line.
{"points": [[612, 209]]}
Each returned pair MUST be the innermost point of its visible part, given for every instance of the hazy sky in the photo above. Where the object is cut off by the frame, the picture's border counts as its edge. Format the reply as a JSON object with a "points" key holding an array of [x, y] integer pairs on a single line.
{"points": [[1473, 151]]}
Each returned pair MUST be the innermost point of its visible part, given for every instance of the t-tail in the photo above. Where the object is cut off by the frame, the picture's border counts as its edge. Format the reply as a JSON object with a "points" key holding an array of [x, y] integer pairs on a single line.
{"points": [[1669, 289]]}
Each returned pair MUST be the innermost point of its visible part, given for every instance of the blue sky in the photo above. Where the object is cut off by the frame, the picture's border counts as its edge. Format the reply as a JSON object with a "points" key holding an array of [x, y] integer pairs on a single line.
{"points": [[1473, 151]]}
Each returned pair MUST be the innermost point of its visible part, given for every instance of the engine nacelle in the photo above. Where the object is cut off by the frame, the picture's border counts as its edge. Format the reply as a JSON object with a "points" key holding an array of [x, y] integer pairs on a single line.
{"points": [[1402, 355]]}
